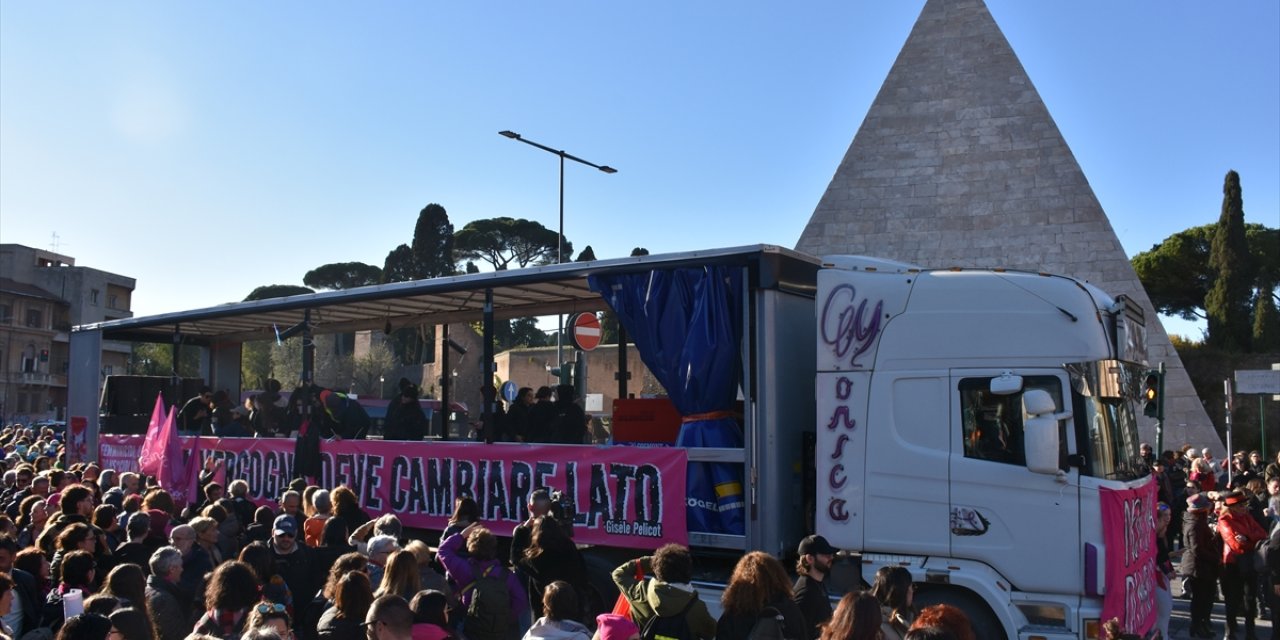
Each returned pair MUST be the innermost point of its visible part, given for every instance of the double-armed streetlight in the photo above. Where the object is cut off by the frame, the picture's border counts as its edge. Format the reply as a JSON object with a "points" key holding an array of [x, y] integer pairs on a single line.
{"points": [[560, 234], [563, 156]]}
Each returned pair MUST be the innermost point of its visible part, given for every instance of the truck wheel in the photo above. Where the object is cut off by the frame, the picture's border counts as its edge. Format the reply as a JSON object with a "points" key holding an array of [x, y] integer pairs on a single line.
{"points": [[985, 623]]}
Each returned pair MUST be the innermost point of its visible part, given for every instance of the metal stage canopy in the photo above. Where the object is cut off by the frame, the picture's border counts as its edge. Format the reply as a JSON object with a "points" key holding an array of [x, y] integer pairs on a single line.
{"points": [[535, 291]]}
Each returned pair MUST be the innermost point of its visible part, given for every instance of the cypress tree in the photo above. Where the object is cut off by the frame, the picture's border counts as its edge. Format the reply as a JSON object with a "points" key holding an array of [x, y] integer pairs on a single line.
{"points": [[1266, 321], [433, 244], [1228, 303]]}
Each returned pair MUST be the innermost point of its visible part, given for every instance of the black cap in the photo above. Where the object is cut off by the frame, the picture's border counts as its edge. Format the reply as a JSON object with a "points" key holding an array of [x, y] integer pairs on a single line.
{"points": [[816, 545]]}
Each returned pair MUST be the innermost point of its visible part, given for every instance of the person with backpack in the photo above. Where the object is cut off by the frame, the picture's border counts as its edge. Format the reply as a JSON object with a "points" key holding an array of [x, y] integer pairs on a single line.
{"points": [[491, 596], [665, 606], [757, 603]]}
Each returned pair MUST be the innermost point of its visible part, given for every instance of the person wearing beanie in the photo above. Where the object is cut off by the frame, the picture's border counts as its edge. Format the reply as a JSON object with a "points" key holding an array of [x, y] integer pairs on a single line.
{"points": [[611, 626], [1199, 563]]}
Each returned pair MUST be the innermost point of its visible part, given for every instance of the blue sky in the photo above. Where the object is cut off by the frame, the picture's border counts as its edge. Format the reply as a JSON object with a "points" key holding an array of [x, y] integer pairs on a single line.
{"points": [[209, 148]]}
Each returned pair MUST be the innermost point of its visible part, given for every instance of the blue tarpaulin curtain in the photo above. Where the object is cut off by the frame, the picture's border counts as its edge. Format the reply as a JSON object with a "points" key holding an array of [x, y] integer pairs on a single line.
{"points": [[687, 326]]}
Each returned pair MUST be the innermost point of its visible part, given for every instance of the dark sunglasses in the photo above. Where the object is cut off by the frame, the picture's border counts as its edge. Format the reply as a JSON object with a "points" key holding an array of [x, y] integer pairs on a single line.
{"points": [[269, 607]]}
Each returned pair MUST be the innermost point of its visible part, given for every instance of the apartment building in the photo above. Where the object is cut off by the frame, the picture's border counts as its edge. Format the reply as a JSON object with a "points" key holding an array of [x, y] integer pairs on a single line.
{"points": [[42, 295]]}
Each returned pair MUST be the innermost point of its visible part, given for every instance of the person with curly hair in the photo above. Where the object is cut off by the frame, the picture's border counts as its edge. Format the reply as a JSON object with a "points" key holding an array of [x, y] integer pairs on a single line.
{"points": [[669, 593], [758, 588], [481, 561], [857, 617], [947, 617], [347, 507]]}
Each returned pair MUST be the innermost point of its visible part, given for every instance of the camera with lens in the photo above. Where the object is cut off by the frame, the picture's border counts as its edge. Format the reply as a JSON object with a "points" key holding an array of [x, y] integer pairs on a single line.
{"points": [[563, 511]]}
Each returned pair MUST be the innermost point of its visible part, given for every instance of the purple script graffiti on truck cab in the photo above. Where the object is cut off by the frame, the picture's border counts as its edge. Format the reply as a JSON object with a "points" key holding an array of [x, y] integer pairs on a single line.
{"points": [[845, 329], [837, 479]]}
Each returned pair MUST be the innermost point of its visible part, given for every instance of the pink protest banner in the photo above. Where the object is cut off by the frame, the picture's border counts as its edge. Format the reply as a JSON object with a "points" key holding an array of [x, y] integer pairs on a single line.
{"points": [[1129, 531], [623, 496]]}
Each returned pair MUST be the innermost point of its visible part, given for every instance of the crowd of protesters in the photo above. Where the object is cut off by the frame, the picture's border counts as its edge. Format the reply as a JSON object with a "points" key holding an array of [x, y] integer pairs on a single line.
{"points": [[89, 553], [1226, 543]]}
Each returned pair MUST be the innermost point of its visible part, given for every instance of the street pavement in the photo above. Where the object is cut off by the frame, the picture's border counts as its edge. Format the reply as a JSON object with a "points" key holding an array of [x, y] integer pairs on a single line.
{"points": [[1180, 622]]}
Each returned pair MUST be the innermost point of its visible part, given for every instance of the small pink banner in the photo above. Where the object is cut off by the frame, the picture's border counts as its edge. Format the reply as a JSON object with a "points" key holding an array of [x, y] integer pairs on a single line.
{"points": [[624, 496], [1129, 532]]}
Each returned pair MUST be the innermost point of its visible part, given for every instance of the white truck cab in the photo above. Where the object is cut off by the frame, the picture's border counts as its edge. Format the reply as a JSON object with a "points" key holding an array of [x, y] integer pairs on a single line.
{"points": [[966, 420]]}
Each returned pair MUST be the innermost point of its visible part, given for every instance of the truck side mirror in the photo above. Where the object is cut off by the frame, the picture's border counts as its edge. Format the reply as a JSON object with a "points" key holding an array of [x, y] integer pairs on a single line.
{"points": [[1040, 432], [1006, 384]]}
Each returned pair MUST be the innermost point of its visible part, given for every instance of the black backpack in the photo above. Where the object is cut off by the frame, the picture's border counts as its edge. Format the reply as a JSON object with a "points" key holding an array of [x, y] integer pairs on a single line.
{"points": [[770, 625], [673, 627], [489, 612]]}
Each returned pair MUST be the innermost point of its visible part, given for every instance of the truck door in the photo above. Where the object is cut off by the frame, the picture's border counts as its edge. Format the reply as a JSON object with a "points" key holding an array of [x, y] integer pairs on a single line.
{"points": [[1024, 524]]}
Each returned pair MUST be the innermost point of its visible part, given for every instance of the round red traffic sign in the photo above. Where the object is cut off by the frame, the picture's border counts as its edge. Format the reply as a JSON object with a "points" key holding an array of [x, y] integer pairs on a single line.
{"points": [[584, 331]]}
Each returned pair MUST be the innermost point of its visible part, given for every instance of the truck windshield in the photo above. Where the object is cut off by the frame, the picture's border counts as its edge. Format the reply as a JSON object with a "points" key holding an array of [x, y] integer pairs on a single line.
{"points": [[1104, 396]]}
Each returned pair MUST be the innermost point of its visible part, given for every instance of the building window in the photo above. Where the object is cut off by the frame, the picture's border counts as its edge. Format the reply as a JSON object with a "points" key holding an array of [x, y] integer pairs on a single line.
{"points": [[35, 318], [6, 314], [93, 296], [112, 301], [22, 403]]}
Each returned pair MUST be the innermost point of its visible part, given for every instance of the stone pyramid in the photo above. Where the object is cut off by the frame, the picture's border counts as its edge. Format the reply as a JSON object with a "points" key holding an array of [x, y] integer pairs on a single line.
{"points": [[958, 163]]}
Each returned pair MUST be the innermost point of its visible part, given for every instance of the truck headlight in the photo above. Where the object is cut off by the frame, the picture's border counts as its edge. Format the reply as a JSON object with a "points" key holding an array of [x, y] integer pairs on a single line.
{"points": [[1044, 615]]}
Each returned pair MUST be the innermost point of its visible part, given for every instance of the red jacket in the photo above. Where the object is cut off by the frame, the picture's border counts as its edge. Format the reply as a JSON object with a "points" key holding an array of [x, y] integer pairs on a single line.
{"points": [[1232, 524]]}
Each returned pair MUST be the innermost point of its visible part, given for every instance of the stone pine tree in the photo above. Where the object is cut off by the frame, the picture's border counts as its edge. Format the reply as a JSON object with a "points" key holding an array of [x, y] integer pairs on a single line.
{"points": [[1228, 304], [342, 275]]}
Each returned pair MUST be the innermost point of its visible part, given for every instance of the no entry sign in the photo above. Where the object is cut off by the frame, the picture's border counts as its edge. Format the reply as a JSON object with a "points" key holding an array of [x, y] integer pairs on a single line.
{"points": [[584, 331]]}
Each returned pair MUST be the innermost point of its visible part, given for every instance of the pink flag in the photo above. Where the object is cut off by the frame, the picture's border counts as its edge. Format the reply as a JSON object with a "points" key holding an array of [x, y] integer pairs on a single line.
{"points": [[172, 474], [149, 458], [192, 478]]}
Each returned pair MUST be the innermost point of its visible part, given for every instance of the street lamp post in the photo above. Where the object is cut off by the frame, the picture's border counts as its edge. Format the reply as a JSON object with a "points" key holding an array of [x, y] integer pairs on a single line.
{"points": [[560, 234]]}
